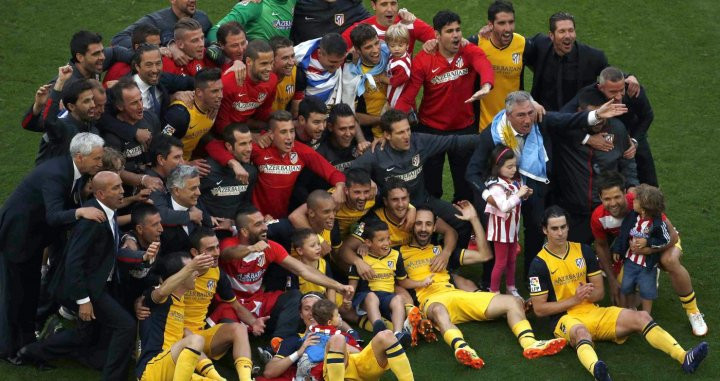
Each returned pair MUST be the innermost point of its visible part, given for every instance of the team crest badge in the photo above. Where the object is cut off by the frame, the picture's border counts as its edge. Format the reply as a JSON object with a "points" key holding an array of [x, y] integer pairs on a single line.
{"points": [[355, 152], [339, 19], [416, 160], [580, 262], [261, 260], [391, 264], [516, 58], [436, 250], [261, 97], [198, 67], [293, 157], [289, 89], [534, 284], [211, 285], [562, 328], [459, 63]]}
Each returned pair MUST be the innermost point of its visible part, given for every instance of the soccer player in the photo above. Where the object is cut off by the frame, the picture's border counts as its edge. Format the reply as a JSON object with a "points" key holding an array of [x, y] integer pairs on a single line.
{"points": [[340, 146], [311, 122], [230, 46], [262, 19], [319, 63], [447, 306], [287, 95], [566, 282], [605, 222], [504, 49], [447, 77], [319, 216]]}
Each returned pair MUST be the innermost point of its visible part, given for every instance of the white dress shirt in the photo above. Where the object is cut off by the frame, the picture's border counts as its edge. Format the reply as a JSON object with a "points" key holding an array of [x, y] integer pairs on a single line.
{"points": [[180, 208]]}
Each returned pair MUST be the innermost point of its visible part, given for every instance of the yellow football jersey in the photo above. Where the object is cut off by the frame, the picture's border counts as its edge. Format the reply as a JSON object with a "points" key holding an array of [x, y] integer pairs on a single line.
{"points": [[507, 64], [560, 274], [285, 91], [307, 286], [398, 236], [387, 268], [346, 216], [198, 126], [417, 262], [198, 300], [375, 100]]}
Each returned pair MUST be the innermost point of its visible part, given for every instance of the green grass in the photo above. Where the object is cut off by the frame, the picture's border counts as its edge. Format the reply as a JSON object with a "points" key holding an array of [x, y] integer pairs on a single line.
{"points": [[670, 46]]}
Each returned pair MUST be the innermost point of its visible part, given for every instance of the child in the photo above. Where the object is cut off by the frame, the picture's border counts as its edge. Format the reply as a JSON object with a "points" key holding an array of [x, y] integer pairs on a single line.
{"points": [[642, 235], [376, 296], [397, 38], [505, 191]]}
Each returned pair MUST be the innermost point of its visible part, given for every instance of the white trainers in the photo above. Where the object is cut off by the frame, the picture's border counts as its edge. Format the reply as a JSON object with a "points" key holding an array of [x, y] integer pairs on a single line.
{"points": [[699, 328], [514, 292]]}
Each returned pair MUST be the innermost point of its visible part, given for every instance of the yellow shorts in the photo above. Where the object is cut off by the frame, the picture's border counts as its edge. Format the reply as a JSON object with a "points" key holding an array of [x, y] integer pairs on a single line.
{"points": [[599, 321], [208, 334], [463, 306], [362, 366], [159, 368]]}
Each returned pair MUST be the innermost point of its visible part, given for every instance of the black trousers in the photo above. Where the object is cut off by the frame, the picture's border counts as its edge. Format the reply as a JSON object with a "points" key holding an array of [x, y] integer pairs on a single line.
{"points": [[19, 290], [645, 162], [579, 228], [433, 167], [284, 318], [110, 316]]}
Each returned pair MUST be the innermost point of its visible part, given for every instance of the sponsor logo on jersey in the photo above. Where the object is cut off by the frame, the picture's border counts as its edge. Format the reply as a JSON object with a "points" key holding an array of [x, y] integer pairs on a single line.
{"points": [[133, 152], [282, 24], [449, 76], [278, 169], [232, 190], [516, 58], [412, 175], [416, 160], [534, 284], [245, 106], [339, 19], [293, 157]]}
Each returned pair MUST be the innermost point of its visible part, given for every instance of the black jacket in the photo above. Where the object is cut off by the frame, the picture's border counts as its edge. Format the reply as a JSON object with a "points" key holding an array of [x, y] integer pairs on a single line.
{"points": [[164, 20], [316, 18], [173, 237]]}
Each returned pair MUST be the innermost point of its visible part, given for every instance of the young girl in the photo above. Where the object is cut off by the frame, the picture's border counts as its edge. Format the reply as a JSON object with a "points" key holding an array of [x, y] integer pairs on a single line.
{"points": [[505, 191]]}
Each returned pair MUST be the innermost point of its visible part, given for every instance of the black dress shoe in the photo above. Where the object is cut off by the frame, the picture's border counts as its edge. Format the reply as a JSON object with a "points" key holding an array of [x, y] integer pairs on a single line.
{"points": [[15, 360], [25, 356]]}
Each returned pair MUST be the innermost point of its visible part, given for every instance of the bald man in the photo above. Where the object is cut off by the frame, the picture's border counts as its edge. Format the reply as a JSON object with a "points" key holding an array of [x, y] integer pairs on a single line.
{"points": [[82, 286]]}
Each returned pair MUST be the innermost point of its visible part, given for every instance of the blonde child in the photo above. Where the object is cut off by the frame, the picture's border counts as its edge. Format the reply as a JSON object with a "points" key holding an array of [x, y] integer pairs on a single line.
{"points": [[397, 38]]}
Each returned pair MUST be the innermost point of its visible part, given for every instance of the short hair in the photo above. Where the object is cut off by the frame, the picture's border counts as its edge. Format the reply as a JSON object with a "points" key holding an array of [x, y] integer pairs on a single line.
{"points": [[560, 16], [279, 42], [141, 33], [397, 33], [255, 47], [161, 145], [205, 76], [140, 212], [650, 199], [426, 208], [229, 131], [169, 264], [390, 117], [96, 85], [242, 215], [392, 184], [444, 18], [110, 158], [279, 116], [184, 25], [611, 74], [373, 227], [179, 175], [142, 49], [323, 311], [361, 34], [72, 91], [116, 92], [340, 110], [229, 29], [199, 234], [317, 196], [357, 176], [333, 44], [81, 41], [312, 104], [516, 97], [84, 143], [499, 6], [300, 235], [590, 97], [554, 211], [608, 180]]}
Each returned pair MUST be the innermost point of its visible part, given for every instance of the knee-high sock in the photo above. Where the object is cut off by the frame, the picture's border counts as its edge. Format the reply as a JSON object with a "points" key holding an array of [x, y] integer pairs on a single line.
{"points": [[335, 366], [689, 303], [454, 338], [524, 333], [206, 368], [243, 366], [660, 339], [185, 365], [586, 354], [399, 363]]}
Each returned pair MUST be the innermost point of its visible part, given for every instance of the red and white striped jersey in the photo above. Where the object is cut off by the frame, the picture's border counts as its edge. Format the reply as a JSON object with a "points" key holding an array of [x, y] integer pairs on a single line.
{"points": [[246, 274], [398, 71], [504, 220], [640, 230]]}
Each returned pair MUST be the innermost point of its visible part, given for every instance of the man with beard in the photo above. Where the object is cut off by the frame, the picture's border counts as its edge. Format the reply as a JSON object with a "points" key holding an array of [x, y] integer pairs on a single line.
{"points": [[311, 122], [605, 223], [340, 147], [448, 77], [288, 95], [245, 259], [188, 39]]}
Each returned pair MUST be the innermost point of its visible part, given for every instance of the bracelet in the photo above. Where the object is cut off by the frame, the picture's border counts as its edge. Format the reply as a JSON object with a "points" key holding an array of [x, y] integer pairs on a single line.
{"points": [[142, 180], [294, 356]]}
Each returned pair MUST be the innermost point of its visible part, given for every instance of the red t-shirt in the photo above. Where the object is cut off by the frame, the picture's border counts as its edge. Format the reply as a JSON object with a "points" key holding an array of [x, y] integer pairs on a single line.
{"points": [[602, 223], [240, 103], [246, 274], [446, 86], [418, 30], [191, 68], [116, 71]]}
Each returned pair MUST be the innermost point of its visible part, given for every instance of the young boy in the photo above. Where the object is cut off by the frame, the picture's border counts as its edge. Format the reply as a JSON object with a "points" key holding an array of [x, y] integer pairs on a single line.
{"points": [[642, 234], [397, 38], [376, 296]]}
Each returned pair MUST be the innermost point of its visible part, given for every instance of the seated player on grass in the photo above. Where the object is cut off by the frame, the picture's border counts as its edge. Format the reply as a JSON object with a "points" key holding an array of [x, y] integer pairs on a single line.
{"points": [[447, 306], [566, 282]]}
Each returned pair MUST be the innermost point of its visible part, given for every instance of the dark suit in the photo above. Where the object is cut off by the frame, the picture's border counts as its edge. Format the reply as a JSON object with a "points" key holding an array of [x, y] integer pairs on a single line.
{"points": [[90, 258], [37, 213], [174, 238]]}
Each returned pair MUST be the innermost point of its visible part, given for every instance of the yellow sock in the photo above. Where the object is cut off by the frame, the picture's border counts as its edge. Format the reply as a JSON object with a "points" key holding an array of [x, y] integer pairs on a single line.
{"points": [[586, 354], [206, 368], [399, 363], [197, 377], [524, 333], [243, 366], [689, 303], [454, 338], [185, 365], [660, 339], [334, 366]]}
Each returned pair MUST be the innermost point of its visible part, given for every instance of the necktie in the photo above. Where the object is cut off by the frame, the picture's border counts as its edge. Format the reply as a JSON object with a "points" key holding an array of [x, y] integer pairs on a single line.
{"points": [[116, 233], [75, 192], [154, 105]]}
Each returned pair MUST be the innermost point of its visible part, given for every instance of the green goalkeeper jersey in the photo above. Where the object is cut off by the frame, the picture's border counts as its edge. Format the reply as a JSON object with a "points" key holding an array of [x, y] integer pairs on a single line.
{"points": [[264, 20]]}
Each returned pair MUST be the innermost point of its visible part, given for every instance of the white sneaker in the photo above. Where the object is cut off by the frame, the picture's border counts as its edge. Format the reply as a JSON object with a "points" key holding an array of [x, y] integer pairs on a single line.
{"points": [[514, 292], [699, 328]]}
